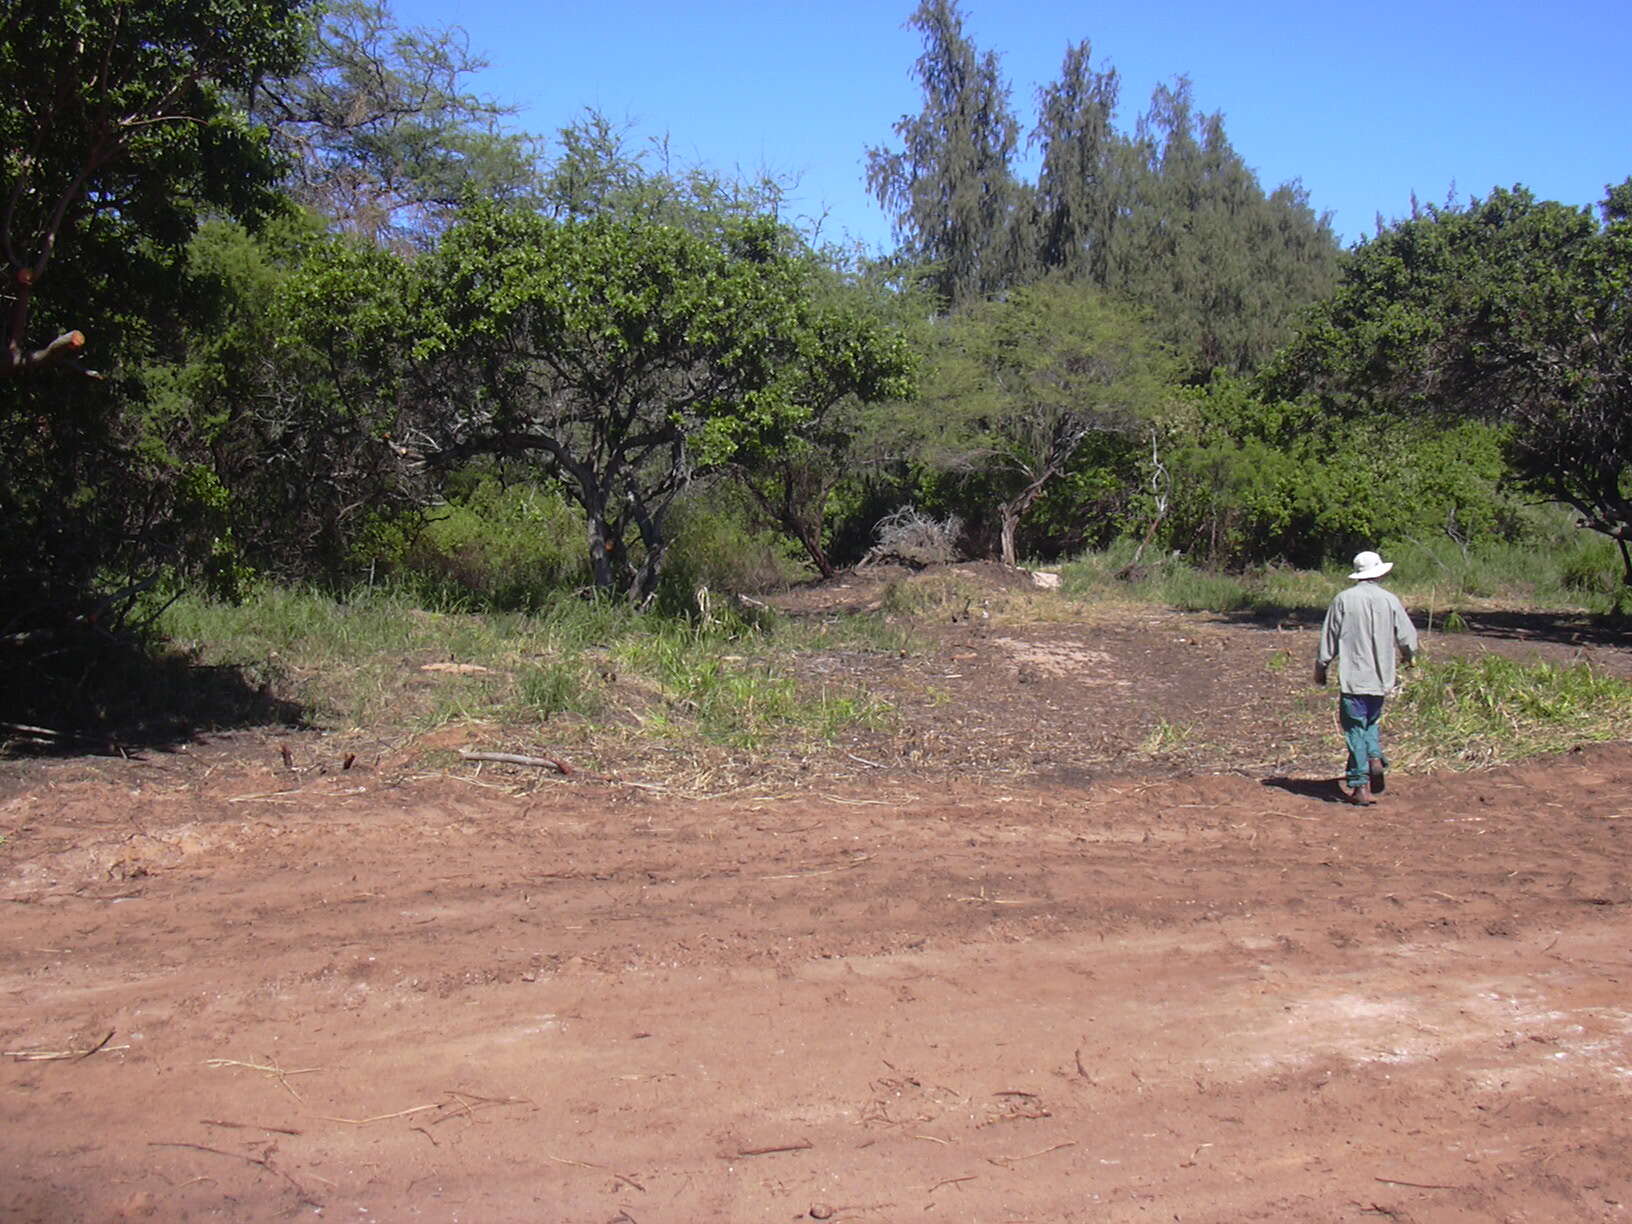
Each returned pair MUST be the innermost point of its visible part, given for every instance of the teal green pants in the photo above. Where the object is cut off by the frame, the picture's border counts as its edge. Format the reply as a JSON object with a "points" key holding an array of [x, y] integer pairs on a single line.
{"points": [[1358, 715]]}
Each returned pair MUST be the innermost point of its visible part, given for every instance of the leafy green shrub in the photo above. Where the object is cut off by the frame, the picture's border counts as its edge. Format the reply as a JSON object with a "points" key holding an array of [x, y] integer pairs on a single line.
{"points": [[715, 544], [507, 547], [1275, 482]]}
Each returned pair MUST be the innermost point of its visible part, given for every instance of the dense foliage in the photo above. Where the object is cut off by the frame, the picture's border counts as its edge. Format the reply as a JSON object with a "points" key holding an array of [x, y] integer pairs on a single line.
{"points": [[286, 299], [1168, 215], [1509, 310]]}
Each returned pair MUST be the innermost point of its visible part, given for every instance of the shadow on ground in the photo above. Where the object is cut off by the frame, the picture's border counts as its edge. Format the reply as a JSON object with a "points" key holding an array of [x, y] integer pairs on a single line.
{"points": [[1559, 628], [1327, 790], [100, 695], [1563, 628]]}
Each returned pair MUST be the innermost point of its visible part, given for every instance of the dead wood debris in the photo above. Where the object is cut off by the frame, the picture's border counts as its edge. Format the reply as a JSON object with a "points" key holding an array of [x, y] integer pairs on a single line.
{"points": [[516, 758], [63, 1055]]}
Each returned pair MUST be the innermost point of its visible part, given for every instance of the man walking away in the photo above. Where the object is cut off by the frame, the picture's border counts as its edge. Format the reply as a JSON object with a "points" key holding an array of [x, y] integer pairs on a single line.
{"points": [[1366, 628]]}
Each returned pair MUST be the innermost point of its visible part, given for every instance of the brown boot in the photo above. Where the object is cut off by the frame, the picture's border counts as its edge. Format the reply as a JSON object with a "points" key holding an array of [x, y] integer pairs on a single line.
{"points": [[1360, 796], [1376, 775]]}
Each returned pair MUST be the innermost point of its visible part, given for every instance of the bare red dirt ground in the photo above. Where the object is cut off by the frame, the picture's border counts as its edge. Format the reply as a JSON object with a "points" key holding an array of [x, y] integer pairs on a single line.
{"points": [[1063, 982]]}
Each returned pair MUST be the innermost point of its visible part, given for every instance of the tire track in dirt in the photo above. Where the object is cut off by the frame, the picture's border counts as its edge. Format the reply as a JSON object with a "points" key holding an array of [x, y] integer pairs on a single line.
{"points": [[1208, 997]]}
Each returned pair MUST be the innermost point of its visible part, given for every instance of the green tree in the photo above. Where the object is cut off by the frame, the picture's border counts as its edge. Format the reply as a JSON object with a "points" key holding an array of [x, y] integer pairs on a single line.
{"points": [[1225, 269], [1507, 309], [854, 358], [280, 404], [601, 172], [117, 131], [381, 131], [951, 186], [1083, 184], [629, 357], [117, 135], [1019, 386], [1170, 217]]}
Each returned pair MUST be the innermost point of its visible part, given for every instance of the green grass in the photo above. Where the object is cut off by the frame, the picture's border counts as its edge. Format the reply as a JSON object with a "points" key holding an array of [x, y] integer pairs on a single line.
{"points": [[1173, 582], [380, 659], [1556, 568], [1468, 713]]}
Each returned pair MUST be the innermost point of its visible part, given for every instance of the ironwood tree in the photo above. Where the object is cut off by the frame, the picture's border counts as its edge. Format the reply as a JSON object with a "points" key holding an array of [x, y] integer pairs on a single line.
{"points": [[951, 185]]}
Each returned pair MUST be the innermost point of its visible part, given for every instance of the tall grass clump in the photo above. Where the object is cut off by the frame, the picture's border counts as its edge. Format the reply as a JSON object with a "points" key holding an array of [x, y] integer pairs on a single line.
{"points": [[705, 678], [1175, 582], [1468, 713], [1546, 561], [378, 657], [716, 546]]}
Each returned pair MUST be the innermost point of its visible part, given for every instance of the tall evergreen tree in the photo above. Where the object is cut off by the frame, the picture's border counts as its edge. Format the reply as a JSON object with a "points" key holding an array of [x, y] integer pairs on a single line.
{"points": [[1225, 268], [951, 187], [1082, 185], [1169, 216]]}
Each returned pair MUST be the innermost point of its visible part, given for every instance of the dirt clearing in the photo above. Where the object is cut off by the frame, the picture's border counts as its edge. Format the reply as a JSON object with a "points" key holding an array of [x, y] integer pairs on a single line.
{"points": [[978, 987]]}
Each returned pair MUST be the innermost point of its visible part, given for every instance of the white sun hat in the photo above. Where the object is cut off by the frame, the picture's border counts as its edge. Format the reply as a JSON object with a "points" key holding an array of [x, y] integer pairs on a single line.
{"points": [[1369, 565]]}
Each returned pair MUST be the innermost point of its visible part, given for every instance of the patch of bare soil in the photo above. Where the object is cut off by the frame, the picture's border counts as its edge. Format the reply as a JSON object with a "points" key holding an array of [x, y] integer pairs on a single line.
{"points": [[980, 986]]}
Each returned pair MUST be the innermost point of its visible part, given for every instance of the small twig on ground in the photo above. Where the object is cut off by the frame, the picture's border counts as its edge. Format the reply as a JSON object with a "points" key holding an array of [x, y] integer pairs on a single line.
{"points": [[263, 1162], [276, 1072], [280, 1130], [516, 758], [577, 1164], [804, 1145], [401, 1113], [796, 875], [951, 1181], [63, 1055], [97, 1046], [1004, 1162], [1394, 1181], [863, 761]]}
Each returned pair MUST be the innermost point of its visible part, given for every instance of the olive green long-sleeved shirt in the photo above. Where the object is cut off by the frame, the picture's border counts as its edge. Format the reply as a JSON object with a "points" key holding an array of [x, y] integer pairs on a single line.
{"points": [[1366, 629]]}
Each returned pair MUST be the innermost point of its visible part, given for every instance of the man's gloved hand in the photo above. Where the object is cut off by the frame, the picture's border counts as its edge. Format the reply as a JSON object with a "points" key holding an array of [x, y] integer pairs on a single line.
{"points": [[1320, 674]]}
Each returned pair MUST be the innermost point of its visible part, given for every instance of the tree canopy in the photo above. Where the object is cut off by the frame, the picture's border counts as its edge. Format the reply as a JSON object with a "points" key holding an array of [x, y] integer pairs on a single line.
{"points": [[1168, 215], [951, 185], [381, 131], [1506, 309], [627, 356], [1020, 385], [117, 130]]}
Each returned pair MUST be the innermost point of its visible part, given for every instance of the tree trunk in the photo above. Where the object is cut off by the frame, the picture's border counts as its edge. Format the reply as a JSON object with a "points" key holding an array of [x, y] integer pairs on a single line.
{"points": [[1012, 511], [643, 585], [812, 540], [1010, 518], [601, 544]]}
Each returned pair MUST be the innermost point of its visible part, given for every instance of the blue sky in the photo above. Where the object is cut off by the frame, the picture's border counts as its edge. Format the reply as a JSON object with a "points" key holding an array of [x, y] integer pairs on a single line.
{"points": [[1364, 104]]}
